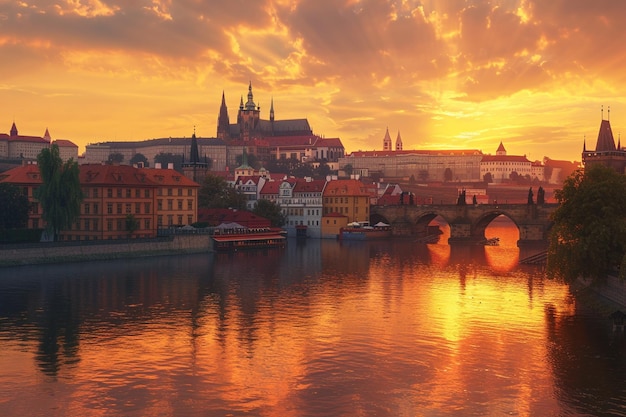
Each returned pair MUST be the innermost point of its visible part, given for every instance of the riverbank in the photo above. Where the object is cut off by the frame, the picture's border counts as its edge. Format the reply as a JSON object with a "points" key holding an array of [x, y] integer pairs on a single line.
{"points": [[602, 298], [78, 251]]}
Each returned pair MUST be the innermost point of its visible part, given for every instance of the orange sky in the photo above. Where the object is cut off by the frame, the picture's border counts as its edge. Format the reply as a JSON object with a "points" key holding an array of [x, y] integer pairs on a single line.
{"points": [[456, 74]]}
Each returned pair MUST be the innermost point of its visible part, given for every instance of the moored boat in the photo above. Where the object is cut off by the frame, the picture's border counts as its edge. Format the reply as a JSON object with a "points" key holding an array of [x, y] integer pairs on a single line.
{"points": [[228, 240]]}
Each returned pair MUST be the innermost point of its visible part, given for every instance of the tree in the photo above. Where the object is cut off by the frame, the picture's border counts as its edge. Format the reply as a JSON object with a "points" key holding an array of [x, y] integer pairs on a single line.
{"points": [[348, 169], [115, 158], [169, 158], [14, 207], [139, 158], [132, 224], [271, 211], [447, 175], [251, 160], [216, 193], [60, 194], [488, 178], [322, 171], [588, 238]]}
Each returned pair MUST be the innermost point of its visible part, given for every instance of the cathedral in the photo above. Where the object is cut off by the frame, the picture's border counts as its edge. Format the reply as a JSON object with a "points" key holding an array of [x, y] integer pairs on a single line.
{"points": [[251, 126]]}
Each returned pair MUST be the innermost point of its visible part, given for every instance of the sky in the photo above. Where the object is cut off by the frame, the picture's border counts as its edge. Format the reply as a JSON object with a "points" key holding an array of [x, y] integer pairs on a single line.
{"points": [[536, 75]]}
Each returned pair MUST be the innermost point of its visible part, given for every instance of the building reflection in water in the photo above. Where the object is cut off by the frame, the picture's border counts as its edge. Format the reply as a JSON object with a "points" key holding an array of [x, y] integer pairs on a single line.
{"points": [[373, 328]]}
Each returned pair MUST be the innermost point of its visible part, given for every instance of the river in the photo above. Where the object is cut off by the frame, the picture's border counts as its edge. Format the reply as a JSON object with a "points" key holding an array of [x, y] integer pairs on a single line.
{"points": [[320, 328]]}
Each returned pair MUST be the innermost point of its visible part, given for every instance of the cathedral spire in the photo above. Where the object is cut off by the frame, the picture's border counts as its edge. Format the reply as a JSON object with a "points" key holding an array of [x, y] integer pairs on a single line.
{"points": [[272, 110], [47, 136], [13, 130], [387, 141], [223, 121], [398, 142]]}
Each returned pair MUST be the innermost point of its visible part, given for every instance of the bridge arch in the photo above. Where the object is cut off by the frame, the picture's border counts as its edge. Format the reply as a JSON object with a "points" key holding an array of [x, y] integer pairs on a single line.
{"points": [[468, 222]]}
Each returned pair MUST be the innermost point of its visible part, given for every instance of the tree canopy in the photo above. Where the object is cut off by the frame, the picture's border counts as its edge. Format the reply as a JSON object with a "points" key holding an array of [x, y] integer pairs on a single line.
{"points": [[216, 193], [271, 211], [588, 238], [14, 207], [60, 194]]}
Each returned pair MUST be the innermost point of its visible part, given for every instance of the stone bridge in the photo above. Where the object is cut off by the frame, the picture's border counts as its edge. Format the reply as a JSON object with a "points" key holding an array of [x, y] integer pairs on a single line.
{"points": [[467, 222]]}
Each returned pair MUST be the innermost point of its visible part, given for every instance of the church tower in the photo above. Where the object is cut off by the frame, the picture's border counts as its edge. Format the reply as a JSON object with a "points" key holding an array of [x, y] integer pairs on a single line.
{"points": [[249, 115], [387, 142], [398, 142], [606, 152], [501, 150], [195, 170], [13, 130], [223, 122]]}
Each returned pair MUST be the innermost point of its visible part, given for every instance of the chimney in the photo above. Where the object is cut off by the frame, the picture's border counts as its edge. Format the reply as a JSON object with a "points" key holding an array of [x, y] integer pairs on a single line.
{"points": [[157, 165], [170, 165]]}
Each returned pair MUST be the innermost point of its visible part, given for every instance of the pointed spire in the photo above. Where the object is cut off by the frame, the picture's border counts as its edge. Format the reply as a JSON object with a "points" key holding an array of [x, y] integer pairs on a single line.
{"points": [[47, 136], [13, 130], [398, 142], [584, 143], [194, 156], [250, 103], [387, 141], [241, 103], [272, 110], [501, 150]]}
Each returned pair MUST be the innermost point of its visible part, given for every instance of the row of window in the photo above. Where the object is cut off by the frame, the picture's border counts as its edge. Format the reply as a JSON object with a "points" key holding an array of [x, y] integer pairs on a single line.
{"points": [[170, 204], [170, 220], [122, 208]]}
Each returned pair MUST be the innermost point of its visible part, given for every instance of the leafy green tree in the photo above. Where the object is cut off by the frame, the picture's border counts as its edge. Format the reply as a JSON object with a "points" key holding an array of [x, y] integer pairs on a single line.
{"points": [[139, 158], [169, 158], [115, 158], [132, 224], [59, 194], [216, 193], [488, 178], [588, 238], [251, 160], [14, 207], [322, 171], [348, 169], [271, 211]]}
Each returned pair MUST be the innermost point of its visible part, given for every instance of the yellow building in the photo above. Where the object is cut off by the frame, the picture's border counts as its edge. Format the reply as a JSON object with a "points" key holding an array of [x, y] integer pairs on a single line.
{"points": [[112, 194], [349, 198]]}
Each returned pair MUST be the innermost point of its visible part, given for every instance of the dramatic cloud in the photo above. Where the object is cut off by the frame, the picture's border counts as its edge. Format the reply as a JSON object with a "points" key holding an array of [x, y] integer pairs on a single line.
{"points": [[445, 73]]}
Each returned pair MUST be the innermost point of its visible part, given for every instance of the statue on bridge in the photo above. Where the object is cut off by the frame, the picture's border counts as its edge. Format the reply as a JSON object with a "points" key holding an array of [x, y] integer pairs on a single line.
{"points": [[461, 200], [541, 195], [530, 196]]}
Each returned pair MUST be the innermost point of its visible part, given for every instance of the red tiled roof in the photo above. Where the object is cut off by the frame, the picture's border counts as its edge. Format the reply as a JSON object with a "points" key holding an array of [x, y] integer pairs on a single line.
{"points": [[304, 186], [24, 174], [168, 177], [270, 187], [245, 218], [345, 187], [65, 143]]}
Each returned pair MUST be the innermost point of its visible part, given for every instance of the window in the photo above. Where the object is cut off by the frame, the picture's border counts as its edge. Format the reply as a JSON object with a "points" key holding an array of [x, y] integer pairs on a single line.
{"points": [[159, 205], [146, 193], [119, 193], [180, 191], [180, 204], [146, 224], [110, 193], [128, 193], [189, 204], [189, 219], [119, 208], [137, 208], [169, 191], [180, 219], [109, 208], [190, 192], [95, 193], [137, 193], [128, 207], [146, 208], [95, 208], [160, 220], [86, 208], [170, 204]]}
